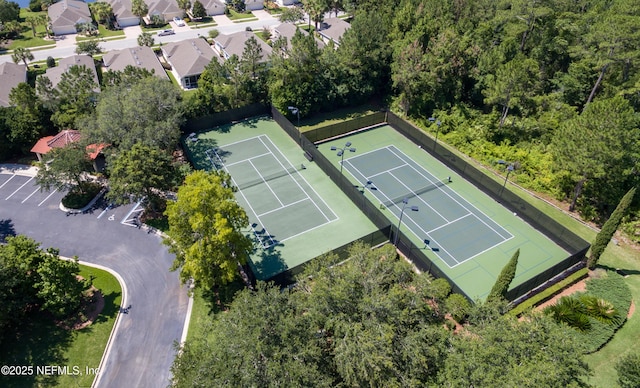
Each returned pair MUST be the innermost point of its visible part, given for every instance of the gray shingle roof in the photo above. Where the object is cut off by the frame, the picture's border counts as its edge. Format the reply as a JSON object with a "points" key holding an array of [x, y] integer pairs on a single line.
{"points": [[234, 44], [10, 76], [68, 12], [142, 57], [333, 28], [188, 57], [55, 73]]}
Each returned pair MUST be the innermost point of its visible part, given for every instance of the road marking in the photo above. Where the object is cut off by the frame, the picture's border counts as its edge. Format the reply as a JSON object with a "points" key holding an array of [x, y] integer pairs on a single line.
{"points": [[34, 191], [112, 217], [131, 222], [12, 176], [48, 196], [18, 189]]}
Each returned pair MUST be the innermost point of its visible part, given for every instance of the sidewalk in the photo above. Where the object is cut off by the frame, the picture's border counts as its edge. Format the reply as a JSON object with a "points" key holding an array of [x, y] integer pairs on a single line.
{"points": [[18, 169]]}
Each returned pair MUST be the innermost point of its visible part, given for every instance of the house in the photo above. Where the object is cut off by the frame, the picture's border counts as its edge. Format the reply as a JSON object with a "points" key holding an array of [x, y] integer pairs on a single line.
{"points": [[10, 76], [285, 3], [227, 45], [212, 7], [287, 31], [122, 12], [64, 138], [253, 5], [332, 29], [66, 14], [55, 73], [167, 9], [188, 58], [142, 57]]}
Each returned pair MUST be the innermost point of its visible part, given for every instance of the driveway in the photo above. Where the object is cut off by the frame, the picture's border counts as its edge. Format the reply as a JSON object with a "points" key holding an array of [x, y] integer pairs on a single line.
{"points": [[142, 350]]}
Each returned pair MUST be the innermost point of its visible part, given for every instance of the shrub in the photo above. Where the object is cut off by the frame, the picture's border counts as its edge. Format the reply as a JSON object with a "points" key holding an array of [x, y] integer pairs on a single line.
{"points": [[458, 306], [628, 369], [80, 196], [51, 62], [439, 290], [248, 29], [213, 33]]}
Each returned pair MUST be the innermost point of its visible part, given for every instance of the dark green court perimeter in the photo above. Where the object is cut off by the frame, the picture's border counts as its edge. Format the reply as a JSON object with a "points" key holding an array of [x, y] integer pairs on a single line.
{"points": [[473, 235], [296, 213]]}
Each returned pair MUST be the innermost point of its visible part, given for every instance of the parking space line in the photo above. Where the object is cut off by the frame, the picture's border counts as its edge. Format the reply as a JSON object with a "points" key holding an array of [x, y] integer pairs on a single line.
{"points": [[48, 196], [126, 220], [34, 191], [12, 176], [18, 189], [104, 211]]}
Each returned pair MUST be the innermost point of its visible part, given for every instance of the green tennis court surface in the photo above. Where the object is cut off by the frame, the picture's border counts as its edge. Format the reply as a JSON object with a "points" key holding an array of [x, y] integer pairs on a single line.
{"points": [[442, 215], [279, 201], [296, 213]]}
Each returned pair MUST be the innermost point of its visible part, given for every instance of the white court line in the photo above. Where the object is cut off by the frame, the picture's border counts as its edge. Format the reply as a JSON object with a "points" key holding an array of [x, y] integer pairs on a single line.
{"points": [[385, 171], [18, 189], [451, 222], [298, 183], [266, 183], [34, 191], [253, 157], [301, 233], [239, 141], [285, 206], [453, 199], [48, 196], [12, 176], [421, 199]]}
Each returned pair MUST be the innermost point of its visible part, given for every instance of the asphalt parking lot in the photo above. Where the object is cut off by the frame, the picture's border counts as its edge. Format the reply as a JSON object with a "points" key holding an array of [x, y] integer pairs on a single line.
{"points": [[142, 348]]}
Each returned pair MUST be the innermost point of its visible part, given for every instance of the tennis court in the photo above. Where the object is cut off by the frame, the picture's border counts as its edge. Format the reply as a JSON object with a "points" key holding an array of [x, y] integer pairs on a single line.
{"points": [[279, 201], [433, 211]]}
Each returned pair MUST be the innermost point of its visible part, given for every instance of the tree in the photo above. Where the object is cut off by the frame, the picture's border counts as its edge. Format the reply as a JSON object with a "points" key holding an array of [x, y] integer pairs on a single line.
{"points": [[501, 286], [316, 9], [51, 62], [130, 75], [602, 145], [9, 11], [609, 229], [142, 172], [33, 21], [198, 10], [27, 120], [205, 230], [89, 47], [184, 5], [139, 8], [102, 12], [148, 111], [145, 39], [628, 369], [291, 15], [87, 29], [22, 54], [64, 168], [58, 285]]}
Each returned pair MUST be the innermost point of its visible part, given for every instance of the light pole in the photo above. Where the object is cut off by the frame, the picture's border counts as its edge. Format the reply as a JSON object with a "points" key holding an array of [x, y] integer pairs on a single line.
{"points": [[341, 152], [405, 202], [433, 119], [510, 167], [296, 112], [369, 185]]}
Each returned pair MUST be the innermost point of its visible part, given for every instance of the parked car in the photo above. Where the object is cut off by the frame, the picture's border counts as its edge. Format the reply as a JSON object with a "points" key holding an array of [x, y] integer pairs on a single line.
{"points": [[166, 32], [178, 21]]}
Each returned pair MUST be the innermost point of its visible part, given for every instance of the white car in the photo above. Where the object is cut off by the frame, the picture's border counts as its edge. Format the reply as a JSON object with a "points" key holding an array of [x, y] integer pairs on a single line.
{"points": [[178, 21]]}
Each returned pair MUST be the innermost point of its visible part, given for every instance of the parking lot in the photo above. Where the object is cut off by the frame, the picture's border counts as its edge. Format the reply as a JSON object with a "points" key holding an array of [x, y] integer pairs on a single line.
{"points": [[21, 192]]}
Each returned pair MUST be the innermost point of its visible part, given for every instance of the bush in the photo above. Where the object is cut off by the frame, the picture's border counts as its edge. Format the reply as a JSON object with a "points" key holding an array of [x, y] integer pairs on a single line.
{"points": [[628, 369], [80, 196], [35, 5], [439, 290], [51, 62], [248, 29], [213, 33], [458, 306]]}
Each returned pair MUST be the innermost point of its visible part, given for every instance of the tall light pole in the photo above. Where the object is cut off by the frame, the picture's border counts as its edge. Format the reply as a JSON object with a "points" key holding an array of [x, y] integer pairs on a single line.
{"points": [[341, 152], [405, 202], [369, 185], [433, 119], [510, 167], [296, 112]]}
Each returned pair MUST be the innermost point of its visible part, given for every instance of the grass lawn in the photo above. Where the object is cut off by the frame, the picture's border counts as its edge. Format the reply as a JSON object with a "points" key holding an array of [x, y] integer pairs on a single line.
{"points": [[42, 343], [103, 32], [333, 117], [205, 309], [233, 15], [206, 21], [26, 38]]}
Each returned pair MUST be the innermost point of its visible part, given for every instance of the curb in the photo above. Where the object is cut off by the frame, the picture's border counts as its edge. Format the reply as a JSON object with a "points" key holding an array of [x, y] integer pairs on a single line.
{"points": [[84, 209]]}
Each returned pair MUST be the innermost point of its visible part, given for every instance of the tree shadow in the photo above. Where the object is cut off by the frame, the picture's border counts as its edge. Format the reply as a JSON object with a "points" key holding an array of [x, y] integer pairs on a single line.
{"points": [[219, 299], [37, 342], [6, 230], [110, 309], [270, 265], [620, 271], [199, 152]]}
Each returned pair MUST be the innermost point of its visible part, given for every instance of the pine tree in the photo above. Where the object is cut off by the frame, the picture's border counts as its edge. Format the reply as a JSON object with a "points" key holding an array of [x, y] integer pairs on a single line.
{"points": [[499, 290], [609, 228]]}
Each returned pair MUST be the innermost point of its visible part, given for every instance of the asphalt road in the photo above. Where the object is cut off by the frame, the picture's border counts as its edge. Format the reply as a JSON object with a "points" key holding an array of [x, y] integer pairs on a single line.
{"points": [[142, 349]]}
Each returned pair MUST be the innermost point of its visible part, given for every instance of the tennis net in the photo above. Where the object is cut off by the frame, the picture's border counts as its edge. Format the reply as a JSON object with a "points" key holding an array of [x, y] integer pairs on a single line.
{"points": [[415, 193], [267, 178]]}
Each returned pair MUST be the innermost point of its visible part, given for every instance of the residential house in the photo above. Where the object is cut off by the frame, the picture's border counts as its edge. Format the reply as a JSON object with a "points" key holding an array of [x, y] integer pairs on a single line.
{"points": [[122, 12], [55, 73], [142, 57], [285, 3], [64, 138], [227, 45], [287, 31], [254, 5], [188, 58], [213, 7], [66, 14], [332, 29], [167, 9], [10, 76]]}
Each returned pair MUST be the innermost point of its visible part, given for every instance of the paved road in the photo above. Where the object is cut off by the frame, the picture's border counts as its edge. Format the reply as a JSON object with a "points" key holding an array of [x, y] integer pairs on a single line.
{"points": [[142, 350]]}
